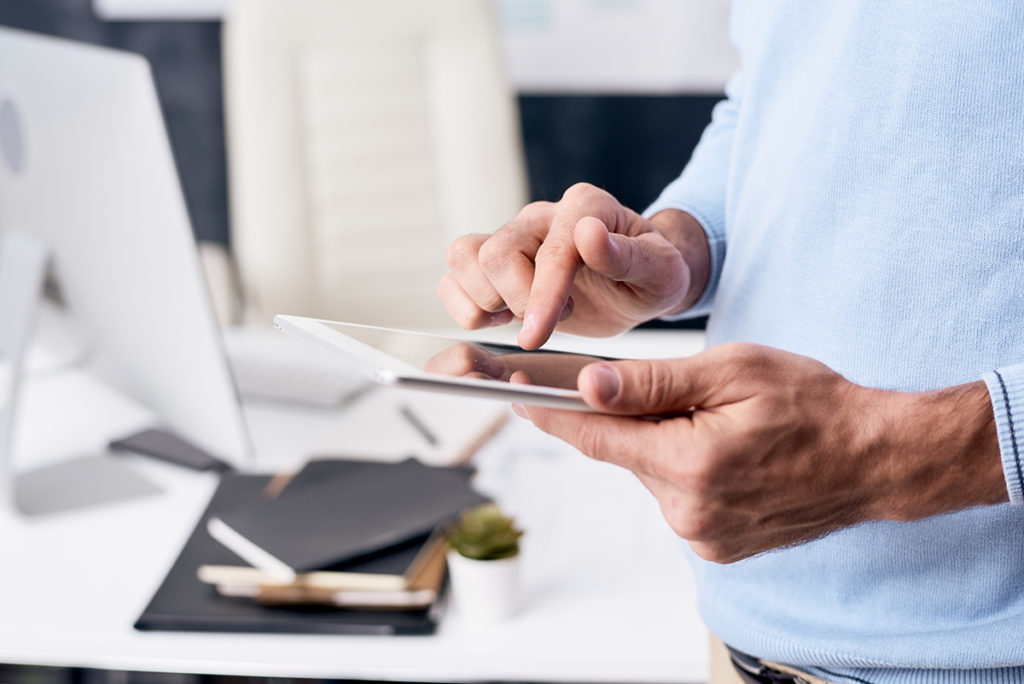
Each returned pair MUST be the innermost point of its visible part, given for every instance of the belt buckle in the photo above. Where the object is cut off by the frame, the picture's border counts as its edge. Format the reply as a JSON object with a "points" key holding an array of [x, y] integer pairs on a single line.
{"points": [[755, 668]]}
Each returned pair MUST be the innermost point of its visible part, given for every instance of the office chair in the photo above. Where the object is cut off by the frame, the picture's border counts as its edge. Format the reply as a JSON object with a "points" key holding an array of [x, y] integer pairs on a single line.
{"points": [[362, 138]]}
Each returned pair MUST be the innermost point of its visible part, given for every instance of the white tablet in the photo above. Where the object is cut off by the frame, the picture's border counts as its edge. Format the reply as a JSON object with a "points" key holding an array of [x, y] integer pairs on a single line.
{"points": [[447, 364]]}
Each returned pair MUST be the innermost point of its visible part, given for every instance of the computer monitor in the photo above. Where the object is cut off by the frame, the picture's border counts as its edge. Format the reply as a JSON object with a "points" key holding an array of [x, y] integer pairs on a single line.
{"points": [[86, 168]]}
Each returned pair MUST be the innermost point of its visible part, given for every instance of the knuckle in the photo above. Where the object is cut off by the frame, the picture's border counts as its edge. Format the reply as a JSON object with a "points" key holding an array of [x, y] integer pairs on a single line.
{"points": [[684, 525], [680, 517], [557, 250], [459, 252], [581, 190], [535, 210], [495, 253], [713, 551], [701, 525], [698, 524], [679, 527], [657, 383]]}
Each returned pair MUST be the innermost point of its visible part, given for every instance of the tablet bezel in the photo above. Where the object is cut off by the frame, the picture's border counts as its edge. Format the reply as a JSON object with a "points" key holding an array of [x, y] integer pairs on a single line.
{"points": [[385, 369]]}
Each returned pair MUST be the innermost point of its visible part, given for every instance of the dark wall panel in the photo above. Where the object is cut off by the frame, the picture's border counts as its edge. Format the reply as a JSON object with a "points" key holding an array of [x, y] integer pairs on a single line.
{"points": [[630, 146]]}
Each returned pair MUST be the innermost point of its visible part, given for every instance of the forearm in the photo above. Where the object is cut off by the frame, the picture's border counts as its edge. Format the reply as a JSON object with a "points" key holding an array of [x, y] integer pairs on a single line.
{"points": [[688, 236], [936, 452]]}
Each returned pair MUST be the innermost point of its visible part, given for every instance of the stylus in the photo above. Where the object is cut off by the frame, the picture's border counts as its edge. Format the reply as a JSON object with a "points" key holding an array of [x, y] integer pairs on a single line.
{"points": [[418, 425]]}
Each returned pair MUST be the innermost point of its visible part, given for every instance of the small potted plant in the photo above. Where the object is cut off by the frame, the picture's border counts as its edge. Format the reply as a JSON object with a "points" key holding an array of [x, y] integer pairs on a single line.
{"points": [[484, 563]]}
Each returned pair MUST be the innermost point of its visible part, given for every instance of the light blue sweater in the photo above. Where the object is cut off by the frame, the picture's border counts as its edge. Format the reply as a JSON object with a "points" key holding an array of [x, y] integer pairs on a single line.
{"points": [[862, 189]]}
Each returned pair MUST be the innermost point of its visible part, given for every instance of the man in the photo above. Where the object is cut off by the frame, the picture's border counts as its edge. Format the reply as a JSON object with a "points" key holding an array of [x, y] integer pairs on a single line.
{"points": [[853, 220]]}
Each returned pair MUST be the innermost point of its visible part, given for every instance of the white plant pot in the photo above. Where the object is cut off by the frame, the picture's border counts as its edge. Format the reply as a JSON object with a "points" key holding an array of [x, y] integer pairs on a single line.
{"points": [[484, 590]]}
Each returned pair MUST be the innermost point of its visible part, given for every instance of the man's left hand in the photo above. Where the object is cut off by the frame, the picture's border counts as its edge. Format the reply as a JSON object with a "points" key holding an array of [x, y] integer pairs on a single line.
{"points": [[768, 448]]}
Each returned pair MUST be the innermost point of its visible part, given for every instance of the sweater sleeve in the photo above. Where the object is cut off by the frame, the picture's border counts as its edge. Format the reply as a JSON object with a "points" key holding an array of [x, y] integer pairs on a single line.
{"points": [[701, 188], [1006, 389]]}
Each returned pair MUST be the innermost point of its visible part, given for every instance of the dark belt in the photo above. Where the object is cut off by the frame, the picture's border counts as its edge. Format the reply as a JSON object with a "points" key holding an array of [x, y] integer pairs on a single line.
{"points": [[753, 671]]}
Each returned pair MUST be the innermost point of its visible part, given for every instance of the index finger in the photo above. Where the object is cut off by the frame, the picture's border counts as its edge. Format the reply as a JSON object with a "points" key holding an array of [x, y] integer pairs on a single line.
{"points": [[630, 443], [557, 263]]}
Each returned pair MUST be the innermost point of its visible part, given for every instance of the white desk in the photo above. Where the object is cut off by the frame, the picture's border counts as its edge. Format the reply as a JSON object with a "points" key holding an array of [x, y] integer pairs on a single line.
{"points": [[607, 596]]}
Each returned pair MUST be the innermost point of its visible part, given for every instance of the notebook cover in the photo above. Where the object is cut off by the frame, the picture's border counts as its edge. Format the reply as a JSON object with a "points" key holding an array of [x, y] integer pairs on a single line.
{"points": [[334, 520], [318, 469], [183, 603]]}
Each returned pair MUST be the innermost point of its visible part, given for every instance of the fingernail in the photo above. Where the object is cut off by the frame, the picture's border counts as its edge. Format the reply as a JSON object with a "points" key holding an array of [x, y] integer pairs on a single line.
{"points": [[520, 411], [608, 382], [613, 246], [502, 317]]}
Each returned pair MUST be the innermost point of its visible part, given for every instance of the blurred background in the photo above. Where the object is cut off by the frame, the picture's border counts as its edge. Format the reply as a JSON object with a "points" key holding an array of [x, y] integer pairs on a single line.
{"points": [[612, 92]]}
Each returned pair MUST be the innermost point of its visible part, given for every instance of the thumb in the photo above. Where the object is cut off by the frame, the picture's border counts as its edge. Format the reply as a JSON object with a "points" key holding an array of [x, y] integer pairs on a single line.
{"points": [[649, 387], [647, 260]]}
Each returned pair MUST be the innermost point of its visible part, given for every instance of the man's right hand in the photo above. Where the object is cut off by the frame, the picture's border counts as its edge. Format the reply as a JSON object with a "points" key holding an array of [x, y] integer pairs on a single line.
{"points": [[585, 264]]}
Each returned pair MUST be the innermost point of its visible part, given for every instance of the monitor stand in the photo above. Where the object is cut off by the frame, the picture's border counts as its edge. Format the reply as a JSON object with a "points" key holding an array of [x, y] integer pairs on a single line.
{"points": [[69, 484]]}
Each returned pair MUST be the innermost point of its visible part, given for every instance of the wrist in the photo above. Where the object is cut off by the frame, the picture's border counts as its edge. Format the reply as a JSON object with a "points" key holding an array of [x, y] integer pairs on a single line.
{"points": [[935, 452], [687, 235]]}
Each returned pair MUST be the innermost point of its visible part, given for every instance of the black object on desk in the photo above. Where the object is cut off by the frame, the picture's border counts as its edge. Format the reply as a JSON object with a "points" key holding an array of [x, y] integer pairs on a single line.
{"points": [[323, 519], [167, 446], [183, 603]]}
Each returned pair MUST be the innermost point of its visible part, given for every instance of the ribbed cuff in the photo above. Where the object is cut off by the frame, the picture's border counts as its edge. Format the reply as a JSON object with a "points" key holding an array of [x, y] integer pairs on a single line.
{"points": [[1006, 389], [716, 244], [1010, 675]]}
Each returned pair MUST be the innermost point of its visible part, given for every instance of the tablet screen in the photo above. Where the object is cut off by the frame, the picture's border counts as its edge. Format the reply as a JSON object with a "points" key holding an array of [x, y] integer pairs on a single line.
{"points": [[471, 359]]}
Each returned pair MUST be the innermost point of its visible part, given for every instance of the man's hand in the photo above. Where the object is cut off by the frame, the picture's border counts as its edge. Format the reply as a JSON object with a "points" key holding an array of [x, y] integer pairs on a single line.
{"points": [[585, 263], [780, 449]]}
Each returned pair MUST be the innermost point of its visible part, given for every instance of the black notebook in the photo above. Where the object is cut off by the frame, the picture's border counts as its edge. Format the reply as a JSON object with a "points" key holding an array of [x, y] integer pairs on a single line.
{"points": [[328, 517], [183, 603], [317, 470]]}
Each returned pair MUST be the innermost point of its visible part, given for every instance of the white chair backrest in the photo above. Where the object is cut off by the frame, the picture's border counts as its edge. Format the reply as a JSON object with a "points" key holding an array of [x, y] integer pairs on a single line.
{"points": [[362, 138]]}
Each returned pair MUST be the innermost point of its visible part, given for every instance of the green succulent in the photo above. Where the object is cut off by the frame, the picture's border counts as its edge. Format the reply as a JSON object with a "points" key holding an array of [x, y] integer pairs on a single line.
{"points": [[485, 533]]}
